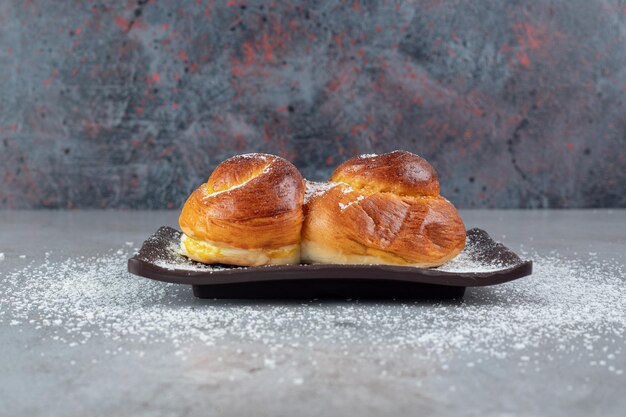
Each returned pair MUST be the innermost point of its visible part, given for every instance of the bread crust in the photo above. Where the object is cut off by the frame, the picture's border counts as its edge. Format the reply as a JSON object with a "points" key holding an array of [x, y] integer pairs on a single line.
{"points": [[397, 172], [386, 209], [251, 201]]}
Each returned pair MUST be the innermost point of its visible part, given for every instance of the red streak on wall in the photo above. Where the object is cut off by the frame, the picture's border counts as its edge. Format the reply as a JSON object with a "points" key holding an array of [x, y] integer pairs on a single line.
{"points": [[91, 127], [121, 23], [338, 40], [529, 36], [52, 77], [268, 53], [361, 127], [125, 24], [336, 83], [248, 54], [523, 59], [9, 128], [166, 151]]}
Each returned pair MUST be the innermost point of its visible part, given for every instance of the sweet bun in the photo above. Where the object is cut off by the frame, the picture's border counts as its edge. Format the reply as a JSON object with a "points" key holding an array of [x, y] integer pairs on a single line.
{"points": [[381, 209], [248, 213]]}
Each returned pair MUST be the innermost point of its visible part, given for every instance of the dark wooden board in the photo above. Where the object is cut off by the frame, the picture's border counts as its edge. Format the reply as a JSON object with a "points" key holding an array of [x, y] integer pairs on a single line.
{"points": [[159, 260]]}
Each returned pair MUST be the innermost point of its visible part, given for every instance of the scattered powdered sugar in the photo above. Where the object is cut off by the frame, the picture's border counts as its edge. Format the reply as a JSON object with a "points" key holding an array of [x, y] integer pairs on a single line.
{"points": [[342, 206], [175, 260], [1, 256], [209, 195], [464, 262], [367, 155], [468, 261], [255, 155], [568, 304], [315, 189], [267, 169], [194, 267], [168, 264]]}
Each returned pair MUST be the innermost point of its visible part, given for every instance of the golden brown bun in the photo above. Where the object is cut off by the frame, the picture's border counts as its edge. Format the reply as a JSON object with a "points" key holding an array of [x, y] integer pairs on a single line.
{"points": [[248, 213], [383, 209]]}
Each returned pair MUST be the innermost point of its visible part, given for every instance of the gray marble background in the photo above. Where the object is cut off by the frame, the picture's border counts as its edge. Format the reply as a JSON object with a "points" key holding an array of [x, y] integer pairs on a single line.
{"points": [[124, 104]]}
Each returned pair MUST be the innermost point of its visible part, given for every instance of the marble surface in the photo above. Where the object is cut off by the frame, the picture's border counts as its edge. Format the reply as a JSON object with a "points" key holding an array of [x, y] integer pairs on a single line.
{"points": [[40, 376], [132, 103]]}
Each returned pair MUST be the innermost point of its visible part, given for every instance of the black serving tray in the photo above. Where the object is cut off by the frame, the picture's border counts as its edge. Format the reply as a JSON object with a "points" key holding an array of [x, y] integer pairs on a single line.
{"points": [[158, 259]]}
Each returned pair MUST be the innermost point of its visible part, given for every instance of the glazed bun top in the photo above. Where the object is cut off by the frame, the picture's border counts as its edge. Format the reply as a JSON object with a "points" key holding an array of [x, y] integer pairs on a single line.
{"points": [[397, 172], [252, 186]]}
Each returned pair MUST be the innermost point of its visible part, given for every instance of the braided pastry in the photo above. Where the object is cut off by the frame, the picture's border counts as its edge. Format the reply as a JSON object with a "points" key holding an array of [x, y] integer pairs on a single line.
{"points": [[381, 209]]}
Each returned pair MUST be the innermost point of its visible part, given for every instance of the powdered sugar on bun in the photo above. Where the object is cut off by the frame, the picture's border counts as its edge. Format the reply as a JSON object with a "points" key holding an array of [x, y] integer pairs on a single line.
{"points": [[316, 189]]}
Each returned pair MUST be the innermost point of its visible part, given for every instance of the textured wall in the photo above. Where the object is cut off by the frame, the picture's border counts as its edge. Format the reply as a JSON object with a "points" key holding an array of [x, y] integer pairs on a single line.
{"points": [[132, 103]]}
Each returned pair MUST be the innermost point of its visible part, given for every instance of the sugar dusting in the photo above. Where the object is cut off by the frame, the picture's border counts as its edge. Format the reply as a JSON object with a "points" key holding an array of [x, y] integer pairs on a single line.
{"points": [[253, 155], [265, 170], [342, 206], [315, 189], [465, 262], [178, 261], [206, 196], [563, 302]]}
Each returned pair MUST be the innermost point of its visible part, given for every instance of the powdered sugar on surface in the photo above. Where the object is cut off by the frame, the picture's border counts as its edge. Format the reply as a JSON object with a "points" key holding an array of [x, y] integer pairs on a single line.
{"points": [[175, 260], [209, 195], [342, 206], [315, 189], [467, 262], [254, 155], [464, 263], [267, 169], [197, 267], [564, 300]]}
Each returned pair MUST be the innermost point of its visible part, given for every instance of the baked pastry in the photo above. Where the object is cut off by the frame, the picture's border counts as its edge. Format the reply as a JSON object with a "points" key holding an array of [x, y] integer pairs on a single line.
{"points": [[249, 213], [381, 209]]}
